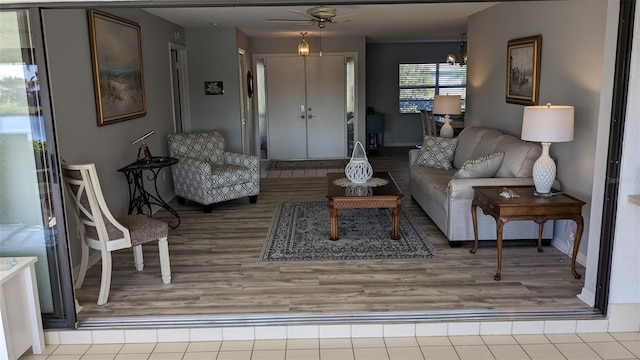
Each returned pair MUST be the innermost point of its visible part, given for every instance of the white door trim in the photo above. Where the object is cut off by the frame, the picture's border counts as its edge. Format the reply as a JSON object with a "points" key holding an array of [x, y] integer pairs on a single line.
{"points": [[185, 109]]}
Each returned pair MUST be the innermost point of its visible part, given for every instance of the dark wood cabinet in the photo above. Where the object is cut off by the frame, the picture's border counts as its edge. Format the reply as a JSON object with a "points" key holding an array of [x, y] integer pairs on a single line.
{"points": [[375, 133]]}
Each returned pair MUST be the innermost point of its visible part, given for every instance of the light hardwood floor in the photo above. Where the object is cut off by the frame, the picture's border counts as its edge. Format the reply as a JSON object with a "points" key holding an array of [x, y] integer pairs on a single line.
{"points": [[215, 267]]}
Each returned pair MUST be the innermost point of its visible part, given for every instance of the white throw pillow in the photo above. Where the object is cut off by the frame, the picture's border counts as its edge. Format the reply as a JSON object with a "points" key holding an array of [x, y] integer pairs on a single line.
{"points": [[482, 167], [437, 152]]}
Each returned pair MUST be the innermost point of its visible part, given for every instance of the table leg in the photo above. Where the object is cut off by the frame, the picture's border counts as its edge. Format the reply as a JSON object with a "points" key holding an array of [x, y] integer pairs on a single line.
{"points": [[576, 244], [333, 214], [540, 228], [499, 228], [395, 226], [474, 217]]}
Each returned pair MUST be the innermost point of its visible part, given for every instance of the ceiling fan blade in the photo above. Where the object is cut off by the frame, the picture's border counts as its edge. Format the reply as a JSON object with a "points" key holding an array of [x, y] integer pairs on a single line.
{"points": [[349, 17], [289, 21], [301, 14]]}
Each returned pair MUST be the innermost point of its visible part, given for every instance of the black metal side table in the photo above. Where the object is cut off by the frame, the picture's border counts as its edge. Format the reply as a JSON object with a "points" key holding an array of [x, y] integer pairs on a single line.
{"points": [[139, 198]]}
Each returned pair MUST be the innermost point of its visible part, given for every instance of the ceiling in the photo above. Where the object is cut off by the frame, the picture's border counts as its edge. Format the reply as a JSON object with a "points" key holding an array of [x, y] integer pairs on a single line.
{"points": [[389, 23]]}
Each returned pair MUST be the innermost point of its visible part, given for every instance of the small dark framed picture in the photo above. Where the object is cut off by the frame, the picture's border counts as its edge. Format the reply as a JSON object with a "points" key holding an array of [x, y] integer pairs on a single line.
{"points": [[213, 88]]}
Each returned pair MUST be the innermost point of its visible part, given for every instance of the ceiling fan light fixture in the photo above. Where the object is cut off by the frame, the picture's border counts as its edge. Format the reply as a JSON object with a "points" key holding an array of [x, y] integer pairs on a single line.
{"points": [[303, 47]]}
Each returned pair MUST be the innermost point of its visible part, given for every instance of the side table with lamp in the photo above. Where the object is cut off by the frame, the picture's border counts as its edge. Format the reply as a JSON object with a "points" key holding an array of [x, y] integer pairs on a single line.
{"points": [[140, 199], [546, 124]]}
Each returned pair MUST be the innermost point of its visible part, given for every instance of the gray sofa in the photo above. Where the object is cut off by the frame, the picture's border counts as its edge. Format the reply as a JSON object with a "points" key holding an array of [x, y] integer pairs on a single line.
{"points": [[447, 200]]}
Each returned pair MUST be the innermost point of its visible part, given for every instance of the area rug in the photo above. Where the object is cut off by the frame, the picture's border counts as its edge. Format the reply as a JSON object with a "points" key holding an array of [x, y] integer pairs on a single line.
{"points": [[307, 164], [300, 232]]}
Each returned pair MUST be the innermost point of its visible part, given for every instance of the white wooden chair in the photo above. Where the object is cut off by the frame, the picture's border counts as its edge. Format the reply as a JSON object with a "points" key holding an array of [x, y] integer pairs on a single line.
{"points": [[99, 230], [428, 123]]}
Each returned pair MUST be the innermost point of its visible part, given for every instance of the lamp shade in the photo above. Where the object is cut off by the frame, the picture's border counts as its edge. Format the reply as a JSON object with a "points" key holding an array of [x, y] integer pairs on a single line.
{"points": [[547, 123], [446, 104]]}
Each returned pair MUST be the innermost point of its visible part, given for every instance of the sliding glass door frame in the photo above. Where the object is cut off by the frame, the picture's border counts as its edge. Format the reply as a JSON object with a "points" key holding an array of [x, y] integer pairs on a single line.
{"points": [[50, 244]]}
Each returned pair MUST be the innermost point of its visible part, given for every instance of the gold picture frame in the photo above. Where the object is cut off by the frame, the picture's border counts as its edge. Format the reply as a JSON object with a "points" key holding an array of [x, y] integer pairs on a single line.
{"points": [[523, 70], [116, 56]]}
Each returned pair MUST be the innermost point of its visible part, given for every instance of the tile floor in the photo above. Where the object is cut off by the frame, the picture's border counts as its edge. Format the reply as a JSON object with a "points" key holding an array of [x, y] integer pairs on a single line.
{"points": [[581, 346]]}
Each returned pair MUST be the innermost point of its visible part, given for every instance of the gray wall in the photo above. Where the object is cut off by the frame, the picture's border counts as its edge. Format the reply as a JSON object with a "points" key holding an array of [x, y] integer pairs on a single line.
{"points": [[213, 56], [382, 85], [80, 140], [572, 72]]}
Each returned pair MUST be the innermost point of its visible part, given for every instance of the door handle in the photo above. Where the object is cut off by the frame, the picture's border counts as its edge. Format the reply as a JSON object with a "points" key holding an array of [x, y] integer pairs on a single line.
{"points": [[310, 116], [301, 116]]}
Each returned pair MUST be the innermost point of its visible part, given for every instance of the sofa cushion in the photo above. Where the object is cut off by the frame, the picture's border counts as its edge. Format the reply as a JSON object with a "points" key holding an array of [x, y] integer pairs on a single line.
{"points": [[437, 152], [481, 167], [519, 157], [433, 182], [467, 141], [487, 145]]}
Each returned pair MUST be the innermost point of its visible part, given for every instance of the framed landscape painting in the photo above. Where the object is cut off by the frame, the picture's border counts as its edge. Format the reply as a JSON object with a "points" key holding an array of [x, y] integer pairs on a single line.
{"points": [[523, 70], [116, 55]]}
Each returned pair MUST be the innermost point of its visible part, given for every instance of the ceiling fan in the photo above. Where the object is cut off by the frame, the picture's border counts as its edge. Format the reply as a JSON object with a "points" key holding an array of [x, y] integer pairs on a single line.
{"points": [[321, 15]]}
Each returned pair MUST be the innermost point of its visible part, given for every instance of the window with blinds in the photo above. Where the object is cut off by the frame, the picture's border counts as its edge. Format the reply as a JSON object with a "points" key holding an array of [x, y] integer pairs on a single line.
{"points": [[419, 83]]}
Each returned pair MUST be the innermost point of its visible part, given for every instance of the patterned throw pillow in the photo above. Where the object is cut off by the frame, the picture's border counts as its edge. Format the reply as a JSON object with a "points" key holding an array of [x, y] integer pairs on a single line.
{"points": [[437, 152], [483, 167]]}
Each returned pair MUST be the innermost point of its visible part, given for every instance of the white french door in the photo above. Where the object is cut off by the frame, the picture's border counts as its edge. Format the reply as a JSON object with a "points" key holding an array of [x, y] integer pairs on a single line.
{"points": [[286, 108], [306, 107], [326, 107]]}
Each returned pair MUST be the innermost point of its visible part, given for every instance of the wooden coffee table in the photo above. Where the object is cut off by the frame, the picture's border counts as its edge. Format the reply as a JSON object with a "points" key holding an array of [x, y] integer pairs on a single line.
{"points": [[525, 207], [385, 196]]}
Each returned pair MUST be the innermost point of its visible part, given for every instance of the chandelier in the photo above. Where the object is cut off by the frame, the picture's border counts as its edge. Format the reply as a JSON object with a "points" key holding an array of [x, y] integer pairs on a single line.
{"points": [[303, 47], [462, 55]]}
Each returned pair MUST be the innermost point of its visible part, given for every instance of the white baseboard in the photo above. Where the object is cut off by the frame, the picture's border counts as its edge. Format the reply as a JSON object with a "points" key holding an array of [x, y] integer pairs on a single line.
{"points": [[589, 297], [566, 249], [624, 317]]}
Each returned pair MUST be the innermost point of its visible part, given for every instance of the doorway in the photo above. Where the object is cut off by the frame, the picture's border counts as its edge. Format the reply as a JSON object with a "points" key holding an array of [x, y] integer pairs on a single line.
{"points": [[306, 106], [246, 92], [179, 88]]}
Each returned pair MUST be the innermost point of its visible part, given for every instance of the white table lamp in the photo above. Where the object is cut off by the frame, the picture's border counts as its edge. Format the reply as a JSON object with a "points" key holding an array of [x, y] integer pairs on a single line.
{"points": [[446, 105], [546, 124]]}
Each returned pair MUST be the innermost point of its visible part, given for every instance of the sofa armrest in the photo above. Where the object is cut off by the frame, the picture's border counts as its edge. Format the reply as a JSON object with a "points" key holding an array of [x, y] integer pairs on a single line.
{"points": [[246, 160], [413, 156], [463, 188]]}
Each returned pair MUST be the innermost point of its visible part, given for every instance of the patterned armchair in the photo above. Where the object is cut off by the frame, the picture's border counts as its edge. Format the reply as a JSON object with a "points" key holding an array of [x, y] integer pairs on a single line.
{"points": [[206, 174]]}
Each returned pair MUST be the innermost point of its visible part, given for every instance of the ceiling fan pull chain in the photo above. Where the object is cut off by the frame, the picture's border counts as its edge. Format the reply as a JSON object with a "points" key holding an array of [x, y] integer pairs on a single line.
{"points": [[320, 42]]}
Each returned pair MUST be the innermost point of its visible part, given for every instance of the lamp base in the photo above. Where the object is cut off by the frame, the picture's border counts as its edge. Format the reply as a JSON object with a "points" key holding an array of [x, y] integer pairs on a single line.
{"points": [[545, 195], [544, 171], [446, 131]]}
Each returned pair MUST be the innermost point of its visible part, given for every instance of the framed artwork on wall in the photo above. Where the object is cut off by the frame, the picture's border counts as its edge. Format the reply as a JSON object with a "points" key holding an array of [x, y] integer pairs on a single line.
{"points": [[116, 56], [213, 88], [523, 70]]}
